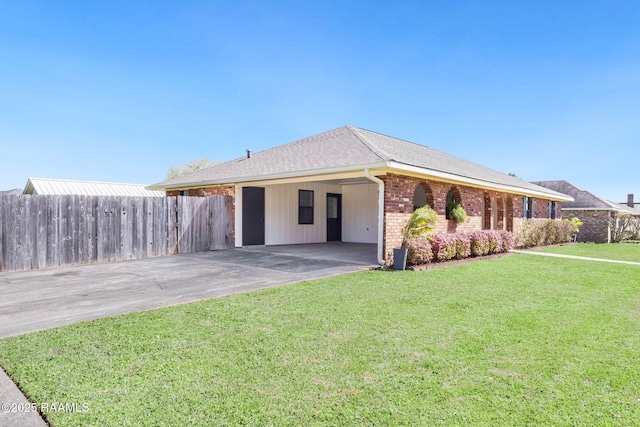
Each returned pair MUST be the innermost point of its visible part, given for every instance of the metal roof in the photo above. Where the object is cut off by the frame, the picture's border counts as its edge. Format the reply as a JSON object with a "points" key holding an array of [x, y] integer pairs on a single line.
{"points": [[44, 186]]}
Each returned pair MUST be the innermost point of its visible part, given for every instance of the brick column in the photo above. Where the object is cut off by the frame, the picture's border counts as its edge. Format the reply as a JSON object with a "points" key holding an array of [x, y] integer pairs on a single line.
{"points": [[398, 207]]}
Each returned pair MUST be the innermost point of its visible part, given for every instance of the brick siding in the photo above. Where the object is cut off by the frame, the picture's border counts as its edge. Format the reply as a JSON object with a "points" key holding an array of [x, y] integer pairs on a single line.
{"points": [[398, 207], [595, 227]]}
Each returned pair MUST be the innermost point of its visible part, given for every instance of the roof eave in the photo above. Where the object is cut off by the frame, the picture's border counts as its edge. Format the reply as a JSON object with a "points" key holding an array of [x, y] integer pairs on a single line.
{"points": [[478, 182], [270, 177], [388, 164]]}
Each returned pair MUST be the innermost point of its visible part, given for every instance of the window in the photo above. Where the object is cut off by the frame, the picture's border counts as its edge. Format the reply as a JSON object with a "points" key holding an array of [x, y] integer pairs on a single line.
{"points": [[422, 196], [553, 210], [529, 207], [332, 207], [305, 207], [184, 192]]}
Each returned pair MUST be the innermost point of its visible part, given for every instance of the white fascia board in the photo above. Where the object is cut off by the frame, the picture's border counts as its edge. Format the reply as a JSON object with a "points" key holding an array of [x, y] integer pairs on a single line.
{"points": [[376, 169], [288, 177], [457, 179]]}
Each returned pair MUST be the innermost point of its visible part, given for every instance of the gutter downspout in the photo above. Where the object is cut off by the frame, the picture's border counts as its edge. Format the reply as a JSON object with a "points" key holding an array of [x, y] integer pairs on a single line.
{"points": [[380, 213]]}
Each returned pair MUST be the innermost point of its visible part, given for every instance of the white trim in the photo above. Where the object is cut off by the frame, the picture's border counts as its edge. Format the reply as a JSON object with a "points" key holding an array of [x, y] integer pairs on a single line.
{"points": [[457, 179], [238, 216], [380, 168], [282, 178], [380, 214]]}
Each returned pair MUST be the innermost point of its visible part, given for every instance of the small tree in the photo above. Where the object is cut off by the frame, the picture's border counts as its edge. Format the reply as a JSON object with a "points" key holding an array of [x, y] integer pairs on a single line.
{"points": [[415, 241], [421, 222], [634, 229], [190, 167], [622, 227]]}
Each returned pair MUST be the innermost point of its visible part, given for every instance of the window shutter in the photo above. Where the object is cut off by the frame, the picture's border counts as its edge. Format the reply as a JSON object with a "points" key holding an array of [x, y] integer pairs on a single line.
{"points": [[550, 210], [526, 206]]}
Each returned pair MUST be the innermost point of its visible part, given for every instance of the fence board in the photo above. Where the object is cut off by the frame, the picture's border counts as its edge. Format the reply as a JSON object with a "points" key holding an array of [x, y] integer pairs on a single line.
{"points": [[139, 228], [221, 222], [22, 253], [49, 231]]}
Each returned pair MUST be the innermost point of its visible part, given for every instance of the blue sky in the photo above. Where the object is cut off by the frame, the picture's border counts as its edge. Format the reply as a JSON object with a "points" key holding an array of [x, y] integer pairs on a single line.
{"points": [[121, 90]]}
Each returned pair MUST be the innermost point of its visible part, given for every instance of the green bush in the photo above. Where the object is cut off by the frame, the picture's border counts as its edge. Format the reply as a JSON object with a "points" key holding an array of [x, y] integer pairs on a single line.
{"points": [[456, 212], [421, 222]]}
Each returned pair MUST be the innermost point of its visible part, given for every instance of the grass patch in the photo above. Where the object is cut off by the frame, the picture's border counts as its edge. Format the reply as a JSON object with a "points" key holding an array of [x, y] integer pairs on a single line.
{"points": [[619, 251], [519, 340]]}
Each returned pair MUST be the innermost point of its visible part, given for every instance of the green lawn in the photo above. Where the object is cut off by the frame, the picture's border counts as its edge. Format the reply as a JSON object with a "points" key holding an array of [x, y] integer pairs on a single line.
{"points": [[519, 340], [619, 251]]}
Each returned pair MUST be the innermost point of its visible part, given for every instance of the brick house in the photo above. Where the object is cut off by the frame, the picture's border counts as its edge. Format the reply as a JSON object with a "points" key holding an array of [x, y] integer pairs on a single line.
{"points": [[354, 185], [597, 215]]}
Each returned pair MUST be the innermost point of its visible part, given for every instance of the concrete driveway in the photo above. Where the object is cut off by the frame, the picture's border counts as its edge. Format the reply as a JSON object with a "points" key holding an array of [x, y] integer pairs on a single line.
{"points": [[42, 299]]}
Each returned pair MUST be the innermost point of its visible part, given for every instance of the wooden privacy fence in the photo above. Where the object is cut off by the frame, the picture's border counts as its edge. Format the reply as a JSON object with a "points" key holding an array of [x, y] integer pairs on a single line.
{"points": [[48, 231]]}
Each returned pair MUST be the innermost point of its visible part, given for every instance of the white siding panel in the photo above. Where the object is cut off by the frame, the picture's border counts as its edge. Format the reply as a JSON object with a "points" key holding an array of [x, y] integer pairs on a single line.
{"points": [[360, 213], [281, 214]]}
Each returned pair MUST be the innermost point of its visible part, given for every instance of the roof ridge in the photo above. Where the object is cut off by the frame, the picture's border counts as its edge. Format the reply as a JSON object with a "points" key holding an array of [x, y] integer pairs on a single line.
{"points": [[595, 196], [82, 181], [370, 145]]}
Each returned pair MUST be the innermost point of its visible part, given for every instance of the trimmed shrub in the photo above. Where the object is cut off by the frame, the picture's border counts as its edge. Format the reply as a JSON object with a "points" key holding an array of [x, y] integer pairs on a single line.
{"points": [[450, 246], [444, 247], [479, 243], [419, 250], [463, 245], [506, 241], [545, 232]]}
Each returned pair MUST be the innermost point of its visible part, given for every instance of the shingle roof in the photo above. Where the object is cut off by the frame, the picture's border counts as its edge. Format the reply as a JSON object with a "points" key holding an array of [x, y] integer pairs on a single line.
{"points": [[624, 209], [44, 186], [344, 148], [583, 199]]}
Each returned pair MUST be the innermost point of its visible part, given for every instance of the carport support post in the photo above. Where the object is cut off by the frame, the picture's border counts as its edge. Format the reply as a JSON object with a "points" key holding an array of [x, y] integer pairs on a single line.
{"points": [[380, 214]]}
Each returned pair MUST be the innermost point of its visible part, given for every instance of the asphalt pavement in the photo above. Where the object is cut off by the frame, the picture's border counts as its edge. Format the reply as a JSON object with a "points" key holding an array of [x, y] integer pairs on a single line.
{"points": [[48, 298]]}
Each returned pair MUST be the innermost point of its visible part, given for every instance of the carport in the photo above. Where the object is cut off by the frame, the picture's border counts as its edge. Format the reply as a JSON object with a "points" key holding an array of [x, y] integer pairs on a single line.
{"points": [[47, 298]]}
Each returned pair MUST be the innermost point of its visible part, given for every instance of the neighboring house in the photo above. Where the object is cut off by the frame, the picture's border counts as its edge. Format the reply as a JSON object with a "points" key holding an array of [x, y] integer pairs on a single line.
{"points": [[598, 215], [43, 186], [14, 192], [631, 203], [354, 185]]}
